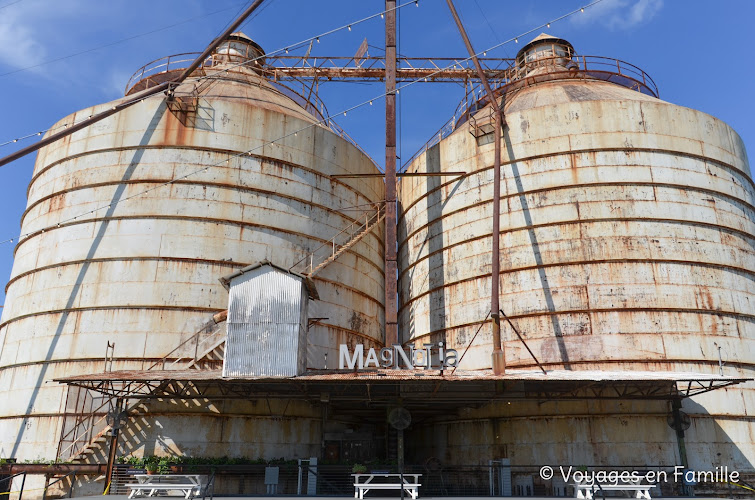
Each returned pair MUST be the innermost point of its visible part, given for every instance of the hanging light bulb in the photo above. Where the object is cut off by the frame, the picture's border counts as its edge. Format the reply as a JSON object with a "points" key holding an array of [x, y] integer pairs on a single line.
{"points": [[485, 53], [286, 50], [582, 9], [344, 113], [349, 27], [318, 39], [516, 40], [548, 25], [370, 103], [382, 16]]}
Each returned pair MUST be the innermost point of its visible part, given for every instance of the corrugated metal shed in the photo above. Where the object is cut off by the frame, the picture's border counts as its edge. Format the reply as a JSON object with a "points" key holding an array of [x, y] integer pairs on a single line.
{"points": [[267, 323]]}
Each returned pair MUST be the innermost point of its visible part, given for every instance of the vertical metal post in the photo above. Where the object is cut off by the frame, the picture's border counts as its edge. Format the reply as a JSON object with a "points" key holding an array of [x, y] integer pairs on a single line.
{"points": [[676, 405], [391, 268], [73, 483], [21, 491], [113, 443], [400, 457], [498, 359]]}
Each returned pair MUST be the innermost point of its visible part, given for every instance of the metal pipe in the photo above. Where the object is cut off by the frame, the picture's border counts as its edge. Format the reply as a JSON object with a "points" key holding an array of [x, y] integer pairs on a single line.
{"points": [[498, 359], [147, 93], [391, 267]]}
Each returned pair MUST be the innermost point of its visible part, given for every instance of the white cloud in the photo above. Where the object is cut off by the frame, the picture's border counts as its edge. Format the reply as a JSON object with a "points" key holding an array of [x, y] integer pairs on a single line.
{"points": [[19, 42], [619, 14]]}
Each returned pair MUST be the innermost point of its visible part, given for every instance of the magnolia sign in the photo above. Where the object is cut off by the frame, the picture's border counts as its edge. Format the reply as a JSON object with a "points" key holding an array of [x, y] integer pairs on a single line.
{"points": [[431, 356]]}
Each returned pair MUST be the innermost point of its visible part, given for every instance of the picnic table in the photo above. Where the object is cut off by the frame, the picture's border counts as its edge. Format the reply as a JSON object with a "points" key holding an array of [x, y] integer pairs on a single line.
{"points": [[640, 489], [364, 483], [151, 484]]}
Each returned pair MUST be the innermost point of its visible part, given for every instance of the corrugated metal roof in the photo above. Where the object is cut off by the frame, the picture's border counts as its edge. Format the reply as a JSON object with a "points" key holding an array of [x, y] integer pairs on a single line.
{"points": [[460, 375]]}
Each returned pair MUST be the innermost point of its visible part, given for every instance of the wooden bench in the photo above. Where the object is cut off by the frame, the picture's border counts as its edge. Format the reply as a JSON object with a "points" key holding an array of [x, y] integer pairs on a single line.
{"points": [[152, 484], [586, 490], [362, 487]]}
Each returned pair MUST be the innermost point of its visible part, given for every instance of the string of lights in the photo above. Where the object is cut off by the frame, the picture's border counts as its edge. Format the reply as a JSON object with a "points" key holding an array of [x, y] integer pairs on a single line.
{"points": [[250, 152], [285, 49]]}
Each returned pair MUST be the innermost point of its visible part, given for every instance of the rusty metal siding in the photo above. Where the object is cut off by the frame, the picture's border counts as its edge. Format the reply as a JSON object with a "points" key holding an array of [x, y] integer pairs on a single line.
{"points": [[144, 273], [267, 317], [627, 237]]}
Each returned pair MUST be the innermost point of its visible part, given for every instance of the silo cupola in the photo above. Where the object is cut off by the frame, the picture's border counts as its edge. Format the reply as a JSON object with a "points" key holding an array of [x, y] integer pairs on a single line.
{"points": [[239, 48], [545, 54]]}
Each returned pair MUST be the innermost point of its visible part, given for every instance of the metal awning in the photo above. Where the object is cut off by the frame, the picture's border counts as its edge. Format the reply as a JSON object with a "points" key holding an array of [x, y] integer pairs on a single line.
{"points": [[376, 388]]}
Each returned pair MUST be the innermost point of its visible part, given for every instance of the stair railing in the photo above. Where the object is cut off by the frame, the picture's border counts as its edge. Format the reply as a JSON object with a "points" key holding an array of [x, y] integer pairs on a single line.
{"points": [[348, 236], [90, 419]]}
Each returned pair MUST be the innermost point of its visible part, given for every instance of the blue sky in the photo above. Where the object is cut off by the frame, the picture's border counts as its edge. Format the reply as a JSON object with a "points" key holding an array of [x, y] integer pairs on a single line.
{"points": [[695, 50]]}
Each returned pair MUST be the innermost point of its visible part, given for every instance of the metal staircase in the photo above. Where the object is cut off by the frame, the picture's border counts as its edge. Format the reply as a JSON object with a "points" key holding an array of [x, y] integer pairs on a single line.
{"points": [[341, 242], [85, 429]]}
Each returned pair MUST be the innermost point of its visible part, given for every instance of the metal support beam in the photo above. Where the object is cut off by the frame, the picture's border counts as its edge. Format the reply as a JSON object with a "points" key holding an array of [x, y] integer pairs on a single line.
{"points": [[498, 358], [391, 267]]}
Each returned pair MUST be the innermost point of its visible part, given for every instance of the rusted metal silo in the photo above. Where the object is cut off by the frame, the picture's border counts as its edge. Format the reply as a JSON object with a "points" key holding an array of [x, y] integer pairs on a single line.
{"points": [[627, 233], [131, 222]]}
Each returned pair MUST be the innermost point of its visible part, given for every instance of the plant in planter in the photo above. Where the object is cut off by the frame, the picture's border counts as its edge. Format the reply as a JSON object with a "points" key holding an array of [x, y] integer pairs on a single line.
{"points": [[359, 469], [163, 466], [151, 467]]}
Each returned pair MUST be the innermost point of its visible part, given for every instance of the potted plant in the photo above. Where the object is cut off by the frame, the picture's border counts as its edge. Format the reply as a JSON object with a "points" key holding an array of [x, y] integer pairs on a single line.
{"points": [[163, 466], [151, 467], [359, 469]]}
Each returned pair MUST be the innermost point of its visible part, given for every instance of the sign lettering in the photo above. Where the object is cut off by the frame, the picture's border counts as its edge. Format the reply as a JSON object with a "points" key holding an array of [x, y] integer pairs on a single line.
{"points": [[430, 357]]}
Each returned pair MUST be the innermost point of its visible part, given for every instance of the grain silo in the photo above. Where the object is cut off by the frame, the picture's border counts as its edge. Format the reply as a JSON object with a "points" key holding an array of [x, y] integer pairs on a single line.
{"points": [[627, 233], [130, 224]]}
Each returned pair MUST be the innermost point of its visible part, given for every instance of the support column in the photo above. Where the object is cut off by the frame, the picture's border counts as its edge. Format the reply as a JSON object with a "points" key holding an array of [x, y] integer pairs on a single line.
{"points": [[498, 359], [391, 267], [113, 443]]}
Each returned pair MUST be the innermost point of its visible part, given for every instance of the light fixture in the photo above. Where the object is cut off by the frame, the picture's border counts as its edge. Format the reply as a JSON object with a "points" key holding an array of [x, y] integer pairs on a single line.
{"points": [[349, 27], [516, 40], [582, 9], [548, 25]]}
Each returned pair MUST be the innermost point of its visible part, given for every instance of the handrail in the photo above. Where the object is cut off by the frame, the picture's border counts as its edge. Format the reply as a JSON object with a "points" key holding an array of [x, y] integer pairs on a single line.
{"points": [[70, 490], [311, 104], [352, 230], [9, 479], [88, 418], [579, 67]]}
